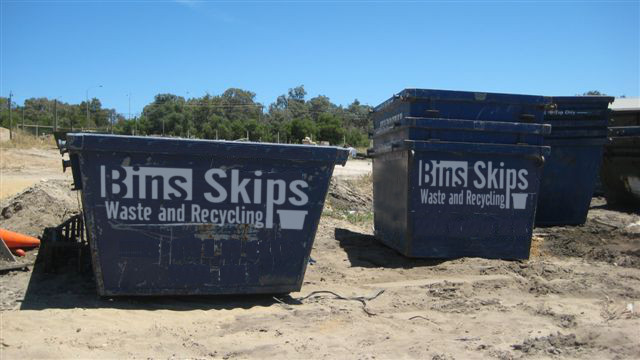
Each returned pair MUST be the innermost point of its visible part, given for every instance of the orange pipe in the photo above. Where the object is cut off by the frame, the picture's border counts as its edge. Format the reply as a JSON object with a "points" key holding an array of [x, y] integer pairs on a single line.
{"points": [[16, 240]]}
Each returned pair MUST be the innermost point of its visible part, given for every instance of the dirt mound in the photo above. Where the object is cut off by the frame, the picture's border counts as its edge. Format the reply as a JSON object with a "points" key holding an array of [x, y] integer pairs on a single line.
{"points": [[609, 236], [42, 205], [553, 345], [354, 195]]}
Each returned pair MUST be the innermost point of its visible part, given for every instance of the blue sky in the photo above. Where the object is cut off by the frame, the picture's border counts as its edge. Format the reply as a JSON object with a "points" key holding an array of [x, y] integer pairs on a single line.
{"points": [[345, 50]]}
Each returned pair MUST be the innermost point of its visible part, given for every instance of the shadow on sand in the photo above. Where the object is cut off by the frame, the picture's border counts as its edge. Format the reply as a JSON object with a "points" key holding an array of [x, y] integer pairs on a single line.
{"points": [[364, 250], [68, 288]]}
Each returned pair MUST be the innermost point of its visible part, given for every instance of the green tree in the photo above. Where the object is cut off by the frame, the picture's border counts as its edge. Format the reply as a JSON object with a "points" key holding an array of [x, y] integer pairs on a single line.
{"points": [[320, 105], [165, 115], [330, 129], [230, 115], [301, 128], [594, 93], [356, 138]]}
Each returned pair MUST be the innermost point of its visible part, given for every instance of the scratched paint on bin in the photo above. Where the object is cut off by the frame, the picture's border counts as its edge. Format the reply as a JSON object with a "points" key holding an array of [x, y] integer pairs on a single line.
{"points": [[457, 199], [485, 204], [202, 223]]}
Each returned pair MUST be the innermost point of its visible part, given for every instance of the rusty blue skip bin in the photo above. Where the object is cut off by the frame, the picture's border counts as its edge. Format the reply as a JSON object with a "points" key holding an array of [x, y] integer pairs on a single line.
{"points": [[176, 216]]}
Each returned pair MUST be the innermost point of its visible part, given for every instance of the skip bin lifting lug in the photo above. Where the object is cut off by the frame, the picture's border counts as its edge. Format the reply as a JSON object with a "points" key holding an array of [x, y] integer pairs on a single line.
{"points": [[65, 165], [540, 160], [62, 146], [527, 117], [432, 113]]}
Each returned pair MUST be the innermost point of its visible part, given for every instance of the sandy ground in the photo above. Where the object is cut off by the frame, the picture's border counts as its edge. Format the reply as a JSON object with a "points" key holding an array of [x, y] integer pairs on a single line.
{"points": [[577, 297], [21, 168]]}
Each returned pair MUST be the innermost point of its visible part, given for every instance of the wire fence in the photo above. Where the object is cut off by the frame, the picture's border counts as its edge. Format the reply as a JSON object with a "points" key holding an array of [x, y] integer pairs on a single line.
{"points": [[44, 130]]}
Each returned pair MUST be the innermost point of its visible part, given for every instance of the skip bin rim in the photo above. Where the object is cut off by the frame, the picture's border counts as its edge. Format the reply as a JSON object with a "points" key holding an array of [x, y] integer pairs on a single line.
{"points": [[465, 96], [578, 133], [577, 123], [582, 99], [202, 147], [576, 141], [466, 125], [624, 131], [451, 146]]}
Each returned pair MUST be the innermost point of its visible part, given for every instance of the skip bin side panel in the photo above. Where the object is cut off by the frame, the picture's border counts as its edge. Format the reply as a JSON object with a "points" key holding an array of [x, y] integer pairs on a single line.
{"points": [[89, 223], [323, 188], [470, 204], [390, 198], [568, 182], [163, 224], [479, 110]]}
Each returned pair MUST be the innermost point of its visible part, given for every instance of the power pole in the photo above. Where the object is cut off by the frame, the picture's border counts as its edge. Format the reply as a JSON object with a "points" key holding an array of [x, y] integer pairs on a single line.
{"points": [[55, 114], [87, 100], [129, 96], [10, 121]]}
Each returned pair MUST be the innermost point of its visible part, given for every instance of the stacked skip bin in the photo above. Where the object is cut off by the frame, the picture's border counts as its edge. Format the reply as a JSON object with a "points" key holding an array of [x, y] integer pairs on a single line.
{"points": [[621, 168], [457, 173], [579, 132], [620, 172]]}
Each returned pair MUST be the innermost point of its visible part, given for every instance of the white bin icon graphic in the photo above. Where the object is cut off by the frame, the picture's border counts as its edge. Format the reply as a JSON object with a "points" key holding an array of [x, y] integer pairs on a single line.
{"points": [[519, 200], [292, 219]]}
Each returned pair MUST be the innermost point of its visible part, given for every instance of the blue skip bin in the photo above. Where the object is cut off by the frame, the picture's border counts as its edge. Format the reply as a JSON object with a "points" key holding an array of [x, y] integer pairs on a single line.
{"points": [[438, 199], [467, 105], [579, 133], [175, 216]]}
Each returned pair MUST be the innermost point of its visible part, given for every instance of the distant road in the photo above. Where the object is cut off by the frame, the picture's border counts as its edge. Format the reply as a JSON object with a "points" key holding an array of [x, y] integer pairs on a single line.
{"points": [[353, 169]]}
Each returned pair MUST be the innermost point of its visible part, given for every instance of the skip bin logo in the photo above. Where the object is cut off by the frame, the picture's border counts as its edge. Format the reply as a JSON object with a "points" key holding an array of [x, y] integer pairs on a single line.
{"points": [[482, 184], [229, 197], [133, 182]]}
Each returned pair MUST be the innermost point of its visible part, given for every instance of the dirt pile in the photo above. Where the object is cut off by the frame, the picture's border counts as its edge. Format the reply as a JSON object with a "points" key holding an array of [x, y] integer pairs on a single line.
{"points": [[45, 204], [352, 195], [608, 235], [554, 344]]}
